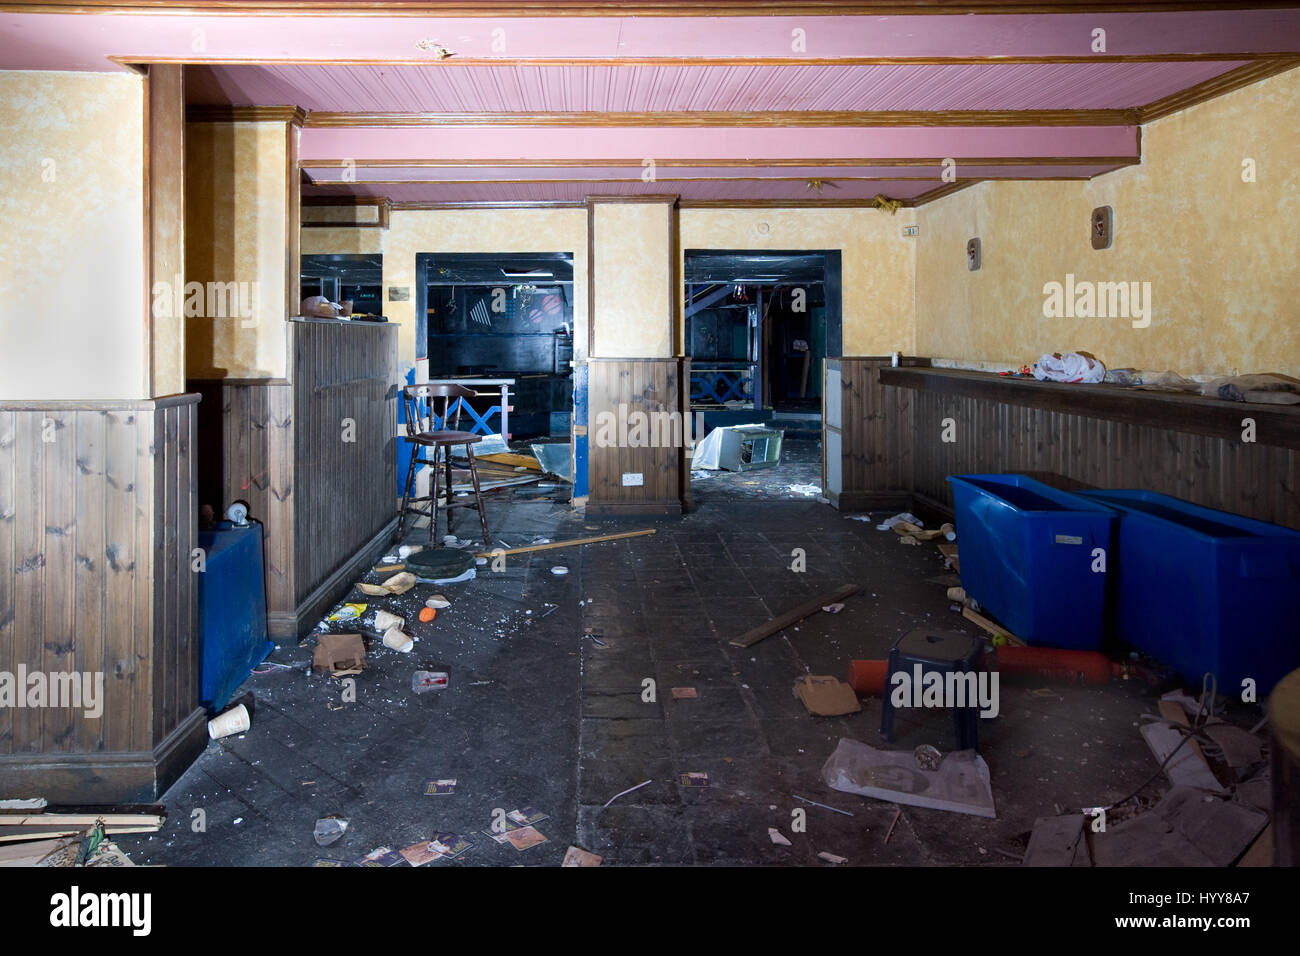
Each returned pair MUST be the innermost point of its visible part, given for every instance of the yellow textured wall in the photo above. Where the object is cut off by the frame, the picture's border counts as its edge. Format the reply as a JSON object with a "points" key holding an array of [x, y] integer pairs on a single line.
{"points": [[1222, 255], [498, 230], [876, 261], [72, 269], [236, 226], [632, 279]]}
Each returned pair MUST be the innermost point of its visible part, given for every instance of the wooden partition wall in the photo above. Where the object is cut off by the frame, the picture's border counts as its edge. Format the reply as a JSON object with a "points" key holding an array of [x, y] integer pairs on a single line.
{"points": [[629, 475], [97, 525], [314, 457], [905, 430]]}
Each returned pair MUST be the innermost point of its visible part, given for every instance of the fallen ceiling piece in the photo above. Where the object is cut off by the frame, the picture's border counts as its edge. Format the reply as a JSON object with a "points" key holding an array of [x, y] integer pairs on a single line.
{"points": [[796, 615], [961, 784]]}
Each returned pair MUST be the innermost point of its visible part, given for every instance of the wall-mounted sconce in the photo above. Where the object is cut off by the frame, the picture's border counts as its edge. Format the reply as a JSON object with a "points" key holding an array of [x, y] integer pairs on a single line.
{"points": [[1103, 225], [972, 254]]}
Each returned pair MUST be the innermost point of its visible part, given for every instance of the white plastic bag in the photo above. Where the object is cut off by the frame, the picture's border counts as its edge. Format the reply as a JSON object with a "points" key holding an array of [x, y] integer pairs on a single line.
{"points": [[1070, 367]]}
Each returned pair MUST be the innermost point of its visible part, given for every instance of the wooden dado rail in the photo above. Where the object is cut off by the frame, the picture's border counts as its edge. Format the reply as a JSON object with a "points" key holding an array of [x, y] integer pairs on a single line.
{"points": [[97, 525], [315, 457], [1100, 436]]}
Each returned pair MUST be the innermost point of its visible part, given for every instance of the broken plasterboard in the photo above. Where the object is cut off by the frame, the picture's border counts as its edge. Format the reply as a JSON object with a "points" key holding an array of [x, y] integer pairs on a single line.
{"points": [[961, 784]]}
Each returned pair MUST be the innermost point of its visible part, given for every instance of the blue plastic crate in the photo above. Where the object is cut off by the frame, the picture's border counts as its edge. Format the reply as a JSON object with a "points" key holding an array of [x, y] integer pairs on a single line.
{"points": [[1028, 553], [1203, 590], [232, 610]]}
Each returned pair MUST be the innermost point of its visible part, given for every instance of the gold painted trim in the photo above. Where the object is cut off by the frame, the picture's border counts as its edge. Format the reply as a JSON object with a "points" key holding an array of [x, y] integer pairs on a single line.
{"points": [[1215, 86], [332, 183], [735, 118], [637, 8], [294, 115], [738, 163]]}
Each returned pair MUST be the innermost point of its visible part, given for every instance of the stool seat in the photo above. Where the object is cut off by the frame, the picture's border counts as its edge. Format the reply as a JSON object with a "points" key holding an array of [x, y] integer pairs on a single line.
{"points": [[943, 652], [445, 438]]}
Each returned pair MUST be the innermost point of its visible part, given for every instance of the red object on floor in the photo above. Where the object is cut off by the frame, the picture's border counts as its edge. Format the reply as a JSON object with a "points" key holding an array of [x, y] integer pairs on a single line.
{"points": [[1082, 667]]}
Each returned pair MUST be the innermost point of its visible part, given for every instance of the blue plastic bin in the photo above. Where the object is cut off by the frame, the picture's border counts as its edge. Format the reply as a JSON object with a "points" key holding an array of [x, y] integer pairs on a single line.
{"points": [[1027, 555], [1203, 590], [232, 610]]}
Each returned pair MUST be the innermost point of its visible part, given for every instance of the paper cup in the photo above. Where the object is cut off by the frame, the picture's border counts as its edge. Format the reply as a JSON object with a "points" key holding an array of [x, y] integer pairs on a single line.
{"points": [[395, 640], [385, 621], [233, 721]]}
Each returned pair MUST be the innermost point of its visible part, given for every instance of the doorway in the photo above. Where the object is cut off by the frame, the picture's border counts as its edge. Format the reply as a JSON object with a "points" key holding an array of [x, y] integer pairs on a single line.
{"points": [[758, 326]]}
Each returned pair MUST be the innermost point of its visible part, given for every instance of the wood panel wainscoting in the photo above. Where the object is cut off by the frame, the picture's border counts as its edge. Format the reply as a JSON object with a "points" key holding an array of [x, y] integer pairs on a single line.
{"points": [[866, 445], [97, 526], [621, 393], [1092, 436], [315, 457]]}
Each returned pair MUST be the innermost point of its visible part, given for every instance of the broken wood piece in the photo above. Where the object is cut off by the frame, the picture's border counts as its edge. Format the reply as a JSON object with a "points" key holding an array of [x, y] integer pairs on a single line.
{"points": [[1261, 851], [1058, 841], [153, 820], [794, 616], [832, 857], [511, 459], [565, 544], [996, 630], [1174, 713], [898, 815], [1183, 765]]}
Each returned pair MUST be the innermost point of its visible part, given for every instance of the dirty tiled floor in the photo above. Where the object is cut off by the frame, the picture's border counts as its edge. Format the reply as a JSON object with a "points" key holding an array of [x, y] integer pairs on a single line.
{"points": [[542, 712]]}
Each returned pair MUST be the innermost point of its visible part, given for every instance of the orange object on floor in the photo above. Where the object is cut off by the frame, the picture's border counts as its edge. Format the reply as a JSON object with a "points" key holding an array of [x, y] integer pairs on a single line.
{"points": [[1083, 667], [427, 614]]}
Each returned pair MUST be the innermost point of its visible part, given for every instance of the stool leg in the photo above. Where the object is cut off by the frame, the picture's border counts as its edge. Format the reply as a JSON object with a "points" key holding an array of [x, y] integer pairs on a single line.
{"points": [[446, 450], [478, 496], [887, 703], [433, 502], [406, 496]]}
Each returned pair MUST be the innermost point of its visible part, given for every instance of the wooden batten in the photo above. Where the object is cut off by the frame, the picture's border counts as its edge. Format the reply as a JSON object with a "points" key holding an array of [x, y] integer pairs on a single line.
{"points": [[97, 512]]}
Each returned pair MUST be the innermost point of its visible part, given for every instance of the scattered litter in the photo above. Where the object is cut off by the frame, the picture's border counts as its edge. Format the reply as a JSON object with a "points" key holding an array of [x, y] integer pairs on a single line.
{"points": [[348, 612], [527, 816], [340, 654], [437, 602], [449, 845], [888, 523], [834, 608], [795, 615], [329, 830], [927, 757], [898, 815], [694, 779], [233, 721], [685, 693], [826, 696], [623, 793], [418, 854], [398, 584], [814, 803], [809, 490], [406, 550], [384, 620], [700, 473], [383, 856], [427, 614], [525, 837], [961, 784], [559, 570], [832, 858], [575, 856], [591, 635], [777, 837], [398, 640], [425, 681]]}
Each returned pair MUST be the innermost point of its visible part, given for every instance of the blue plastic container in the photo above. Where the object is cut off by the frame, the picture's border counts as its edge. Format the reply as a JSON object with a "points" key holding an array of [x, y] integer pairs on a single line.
{"points": [[1203, 590], [232, 610], [1028, 553]]}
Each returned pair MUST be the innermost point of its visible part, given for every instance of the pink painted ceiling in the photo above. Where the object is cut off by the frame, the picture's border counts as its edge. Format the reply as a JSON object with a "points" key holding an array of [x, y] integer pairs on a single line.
{"points": [[339, 59], [437, 88]]}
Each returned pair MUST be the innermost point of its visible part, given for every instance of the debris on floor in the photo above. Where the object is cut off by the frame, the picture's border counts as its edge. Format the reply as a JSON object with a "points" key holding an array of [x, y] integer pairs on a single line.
{"points": [[236, 720], [777, 837], [825, 696], [795, 615], [440, 787], [399, 583], [329, 830], [961, 784], [340, 654], [1188, 827], [576, 856]]}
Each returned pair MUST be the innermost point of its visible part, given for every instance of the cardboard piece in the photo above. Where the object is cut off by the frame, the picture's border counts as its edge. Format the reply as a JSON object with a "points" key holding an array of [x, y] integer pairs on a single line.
{"points": [[1188, 827], [340, 654], [961, 784], [826, 696], [397, 584]]}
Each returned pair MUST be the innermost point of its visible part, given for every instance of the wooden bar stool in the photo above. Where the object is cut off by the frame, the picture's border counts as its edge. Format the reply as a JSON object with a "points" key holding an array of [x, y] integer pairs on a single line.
{"points": [[429, 410]]}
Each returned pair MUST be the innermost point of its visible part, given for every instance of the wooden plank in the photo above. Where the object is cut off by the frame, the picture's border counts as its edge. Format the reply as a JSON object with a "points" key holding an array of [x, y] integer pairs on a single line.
{"points": [[793, 616], [566, 544], [1055, 841], [29, 564], [9, 454], [120, 687], [60, 724], [154, 820], [996, 630], [88, 576]]}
